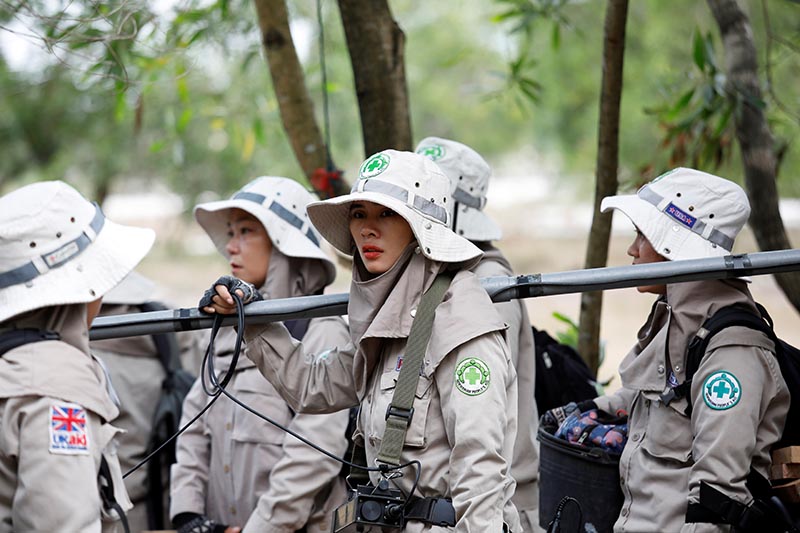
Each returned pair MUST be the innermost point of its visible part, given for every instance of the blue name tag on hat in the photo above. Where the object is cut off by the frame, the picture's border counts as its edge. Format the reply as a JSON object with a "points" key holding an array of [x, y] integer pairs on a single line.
{"points": [[682, 217]]}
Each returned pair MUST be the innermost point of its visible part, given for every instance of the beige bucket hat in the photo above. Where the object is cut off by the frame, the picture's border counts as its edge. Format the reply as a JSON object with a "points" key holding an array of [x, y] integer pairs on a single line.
{"points": [[280, 205], [57, 248], [469, 176], [412, 186], [686, 213]]}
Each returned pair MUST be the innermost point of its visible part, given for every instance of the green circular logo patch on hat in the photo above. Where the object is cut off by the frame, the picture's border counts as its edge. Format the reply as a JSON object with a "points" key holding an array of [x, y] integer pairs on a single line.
{"points": [[434, 152], [721, 390], [473, 376], [374, 166]]}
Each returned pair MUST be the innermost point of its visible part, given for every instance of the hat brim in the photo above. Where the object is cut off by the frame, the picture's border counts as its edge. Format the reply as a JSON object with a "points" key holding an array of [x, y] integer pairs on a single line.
{"points": [[212, 217], [436, 241], [476, 225], [669, 238], [84, 278], [134, 289]]}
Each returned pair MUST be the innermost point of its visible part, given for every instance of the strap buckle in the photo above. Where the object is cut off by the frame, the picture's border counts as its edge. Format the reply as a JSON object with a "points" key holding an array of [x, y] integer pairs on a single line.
{"points": [[399, 412]]}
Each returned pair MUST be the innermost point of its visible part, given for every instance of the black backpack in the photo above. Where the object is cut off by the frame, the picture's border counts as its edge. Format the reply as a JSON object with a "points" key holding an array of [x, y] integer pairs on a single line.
{"points": [[166, 419], [787, 355], [766, 513], [562, 376]]}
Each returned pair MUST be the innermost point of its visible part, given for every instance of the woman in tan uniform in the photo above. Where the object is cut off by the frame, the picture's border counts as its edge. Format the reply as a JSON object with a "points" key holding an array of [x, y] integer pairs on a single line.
{"points": [[469, 177], [738, 397], [232, 467], [463, 424], [59, 256]]}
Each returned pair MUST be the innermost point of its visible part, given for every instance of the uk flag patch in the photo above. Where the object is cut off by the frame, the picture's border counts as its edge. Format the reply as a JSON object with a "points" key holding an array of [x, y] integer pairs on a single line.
{"points": [[68, 432]]}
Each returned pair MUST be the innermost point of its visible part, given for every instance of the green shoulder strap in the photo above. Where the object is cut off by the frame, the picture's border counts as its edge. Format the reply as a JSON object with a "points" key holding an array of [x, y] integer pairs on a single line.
{"points": [[398, 416]]}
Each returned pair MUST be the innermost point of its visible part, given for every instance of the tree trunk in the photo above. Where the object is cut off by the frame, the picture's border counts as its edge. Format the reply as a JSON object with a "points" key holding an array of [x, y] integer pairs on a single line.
{"points": [[606, 179], [294, 102], [376, 44], [755, 138]]}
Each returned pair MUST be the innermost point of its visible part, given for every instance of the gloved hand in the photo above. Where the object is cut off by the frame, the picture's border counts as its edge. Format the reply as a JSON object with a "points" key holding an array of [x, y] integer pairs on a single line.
{"points": [[556, 416], [197, 523], [218, 298]]}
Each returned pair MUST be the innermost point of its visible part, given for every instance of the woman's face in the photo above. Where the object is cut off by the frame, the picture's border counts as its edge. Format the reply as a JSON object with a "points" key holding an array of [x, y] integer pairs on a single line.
{"points": [[249, 247], [380, 234], [643, 252]]}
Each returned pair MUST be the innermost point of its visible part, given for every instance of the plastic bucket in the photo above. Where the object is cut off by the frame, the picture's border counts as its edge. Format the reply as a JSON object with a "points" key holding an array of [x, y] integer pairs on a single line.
{"points": [[590, 475]]}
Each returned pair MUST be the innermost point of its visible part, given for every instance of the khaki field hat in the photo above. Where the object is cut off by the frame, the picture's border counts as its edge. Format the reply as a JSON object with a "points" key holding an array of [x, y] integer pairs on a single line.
{"points": [[412, 186], [469, 177], [134, 289], [686, 213], [280, 205], [57, 248]]}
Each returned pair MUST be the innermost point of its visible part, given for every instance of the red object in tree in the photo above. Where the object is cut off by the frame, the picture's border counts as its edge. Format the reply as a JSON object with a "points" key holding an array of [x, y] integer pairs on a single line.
{"points": [[324, 181]]}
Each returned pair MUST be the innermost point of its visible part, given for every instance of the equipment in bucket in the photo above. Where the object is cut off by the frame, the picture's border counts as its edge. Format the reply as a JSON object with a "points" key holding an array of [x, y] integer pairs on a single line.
{"points": [[579, 463]]}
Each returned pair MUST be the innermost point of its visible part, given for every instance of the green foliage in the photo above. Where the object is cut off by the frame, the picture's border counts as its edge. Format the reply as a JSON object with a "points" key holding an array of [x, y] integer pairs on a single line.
{"points": [[184, 96], [698, 128], [569, 337]]}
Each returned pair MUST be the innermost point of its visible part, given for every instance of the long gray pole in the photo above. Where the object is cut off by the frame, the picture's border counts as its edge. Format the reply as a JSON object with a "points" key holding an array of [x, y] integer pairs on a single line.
{"points": [[500, 289]]}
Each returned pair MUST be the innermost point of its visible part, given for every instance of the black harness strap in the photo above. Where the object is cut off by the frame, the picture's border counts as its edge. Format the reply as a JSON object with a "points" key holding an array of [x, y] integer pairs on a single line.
{"points": [[17, 337], [106, 484]]}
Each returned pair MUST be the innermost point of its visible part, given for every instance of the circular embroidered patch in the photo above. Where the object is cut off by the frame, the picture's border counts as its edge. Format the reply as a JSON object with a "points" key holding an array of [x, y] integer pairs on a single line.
{"points": [[434, 152], [473, 376], [374, 166], [721, 390]]}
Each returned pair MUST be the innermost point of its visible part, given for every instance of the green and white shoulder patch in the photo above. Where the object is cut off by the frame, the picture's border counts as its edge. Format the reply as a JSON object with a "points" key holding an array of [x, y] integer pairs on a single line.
{"points": [[721, 390], [473, 376]]}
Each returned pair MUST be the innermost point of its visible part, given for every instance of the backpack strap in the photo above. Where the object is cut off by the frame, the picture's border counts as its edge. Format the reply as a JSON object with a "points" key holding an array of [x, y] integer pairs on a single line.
{"points": [[17, 337], [400, 411], [733, 315]]}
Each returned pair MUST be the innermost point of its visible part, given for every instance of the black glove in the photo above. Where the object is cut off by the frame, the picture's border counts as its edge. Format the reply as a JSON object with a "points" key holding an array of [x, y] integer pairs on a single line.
{"points": [[555, 416], [250, 293], [196, 523]]}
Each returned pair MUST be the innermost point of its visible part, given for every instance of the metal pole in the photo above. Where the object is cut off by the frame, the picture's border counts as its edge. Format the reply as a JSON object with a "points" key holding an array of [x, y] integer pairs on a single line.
{"points": [[500, 289]]}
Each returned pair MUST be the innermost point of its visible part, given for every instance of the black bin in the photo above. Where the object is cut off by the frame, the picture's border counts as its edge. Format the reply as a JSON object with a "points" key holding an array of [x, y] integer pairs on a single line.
{"points": [[590, 475]]}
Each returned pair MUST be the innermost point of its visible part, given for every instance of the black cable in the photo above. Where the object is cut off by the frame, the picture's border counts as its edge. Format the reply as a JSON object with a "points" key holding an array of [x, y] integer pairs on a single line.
{"points": [[219, 388], [214, 396], [215, 388], [555, 524]]}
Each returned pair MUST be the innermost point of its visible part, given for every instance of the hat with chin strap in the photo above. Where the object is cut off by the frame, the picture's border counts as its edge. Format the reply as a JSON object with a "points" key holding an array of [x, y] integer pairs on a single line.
{"points": [[57, 248], [686, 213], [469, 176]]}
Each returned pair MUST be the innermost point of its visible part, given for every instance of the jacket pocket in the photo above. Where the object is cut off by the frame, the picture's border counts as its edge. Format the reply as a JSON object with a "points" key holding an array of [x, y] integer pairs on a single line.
{"points": [[415, 436], [668, 435], [247, 427]]}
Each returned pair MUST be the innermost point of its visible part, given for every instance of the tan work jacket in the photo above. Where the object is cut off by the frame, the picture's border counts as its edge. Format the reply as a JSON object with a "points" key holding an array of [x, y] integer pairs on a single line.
{"points": [[668, 453], [137, 374], [463, 441], [242, 471], [525, 464], [50, 389]]}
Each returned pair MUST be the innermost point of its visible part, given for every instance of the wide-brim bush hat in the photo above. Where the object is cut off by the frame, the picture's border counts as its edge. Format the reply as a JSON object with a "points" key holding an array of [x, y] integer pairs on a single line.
{"points": [[280, 205], [469, 175], [134, 289], [686, 213], [412, 186], [57, 248]]}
